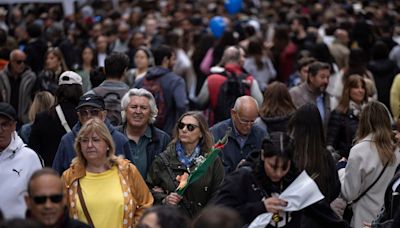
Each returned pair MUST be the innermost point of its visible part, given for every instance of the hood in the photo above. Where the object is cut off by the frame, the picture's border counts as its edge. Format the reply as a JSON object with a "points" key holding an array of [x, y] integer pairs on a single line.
{"points": [[156, 72]]}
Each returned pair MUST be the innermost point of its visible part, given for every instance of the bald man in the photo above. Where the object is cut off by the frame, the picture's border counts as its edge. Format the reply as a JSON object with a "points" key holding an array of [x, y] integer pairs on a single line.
{"points": [[245, 136], [17, 84], [46, 200]]}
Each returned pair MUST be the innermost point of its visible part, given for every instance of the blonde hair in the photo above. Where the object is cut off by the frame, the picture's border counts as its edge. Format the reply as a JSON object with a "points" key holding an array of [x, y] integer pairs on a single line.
{"points": [[43, 101], [97, 126], [375, 120]]}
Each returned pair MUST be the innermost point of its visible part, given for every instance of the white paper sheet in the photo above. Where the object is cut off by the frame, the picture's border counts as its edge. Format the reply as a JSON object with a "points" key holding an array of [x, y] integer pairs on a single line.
{"points": [[301, 193]]}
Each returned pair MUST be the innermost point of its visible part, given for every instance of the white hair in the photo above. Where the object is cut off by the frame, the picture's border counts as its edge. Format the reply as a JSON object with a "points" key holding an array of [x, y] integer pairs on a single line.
{"points": [[140, 93]]}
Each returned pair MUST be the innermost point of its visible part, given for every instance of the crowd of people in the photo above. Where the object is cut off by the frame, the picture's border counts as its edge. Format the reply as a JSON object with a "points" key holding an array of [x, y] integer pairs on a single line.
{"points": [[151, 114]]}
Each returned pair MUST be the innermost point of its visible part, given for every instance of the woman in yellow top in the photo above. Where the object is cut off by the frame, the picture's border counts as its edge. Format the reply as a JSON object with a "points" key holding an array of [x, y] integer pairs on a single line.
{"points": [[103, 190]]}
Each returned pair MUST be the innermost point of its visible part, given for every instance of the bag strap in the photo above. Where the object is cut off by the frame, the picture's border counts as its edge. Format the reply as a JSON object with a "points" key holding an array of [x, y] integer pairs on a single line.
{"points": [[372, 185], [83, 204], [61, 116]]}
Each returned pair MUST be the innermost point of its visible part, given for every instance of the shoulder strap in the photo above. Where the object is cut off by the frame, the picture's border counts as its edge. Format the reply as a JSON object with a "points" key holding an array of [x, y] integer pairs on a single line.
{"points": [[83, 204], [372, 185], [61, 116]]}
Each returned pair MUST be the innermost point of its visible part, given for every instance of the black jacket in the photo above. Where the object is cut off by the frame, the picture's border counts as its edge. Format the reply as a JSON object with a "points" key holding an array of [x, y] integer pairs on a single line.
{"points": [[342, 129], [47, 131], [244, 189]]}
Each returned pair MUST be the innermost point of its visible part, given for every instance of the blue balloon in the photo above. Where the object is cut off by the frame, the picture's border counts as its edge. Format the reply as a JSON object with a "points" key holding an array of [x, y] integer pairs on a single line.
{"points": [[217, 26], [233, 6]]}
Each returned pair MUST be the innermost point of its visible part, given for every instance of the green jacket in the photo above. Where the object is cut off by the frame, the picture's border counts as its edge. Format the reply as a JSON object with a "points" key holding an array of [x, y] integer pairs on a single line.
{"points": [[197, 195]]}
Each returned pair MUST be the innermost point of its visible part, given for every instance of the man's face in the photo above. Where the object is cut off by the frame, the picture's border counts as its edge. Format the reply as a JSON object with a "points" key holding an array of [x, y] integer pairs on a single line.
{"points": [[244, 119], [7, 127], [46, 200], [86, 113], [320, 81], [138, 112], [18, 63]]}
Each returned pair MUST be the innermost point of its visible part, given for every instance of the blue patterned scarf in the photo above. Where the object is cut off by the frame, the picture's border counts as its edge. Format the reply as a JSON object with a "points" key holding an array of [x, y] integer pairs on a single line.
{"points": [[186, 160]]}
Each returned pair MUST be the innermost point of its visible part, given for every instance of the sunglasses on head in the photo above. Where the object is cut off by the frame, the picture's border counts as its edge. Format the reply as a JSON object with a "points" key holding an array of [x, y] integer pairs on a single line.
{"points": [[43, 199], [189, 127], [87, 112]]}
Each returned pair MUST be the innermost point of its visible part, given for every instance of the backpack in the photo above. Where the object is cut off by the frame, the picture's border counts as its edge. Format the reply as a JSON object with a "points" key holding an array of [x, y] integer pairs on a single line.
{"points": [[230, 90], [112, 102], [154, 87]]}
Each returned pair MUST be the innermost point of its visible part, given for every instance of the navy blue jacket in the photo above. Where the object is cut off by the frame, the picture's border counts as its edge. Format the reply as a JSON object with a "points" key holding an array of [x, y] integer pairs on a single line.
{"points": [[232, 154], [66, 151]]}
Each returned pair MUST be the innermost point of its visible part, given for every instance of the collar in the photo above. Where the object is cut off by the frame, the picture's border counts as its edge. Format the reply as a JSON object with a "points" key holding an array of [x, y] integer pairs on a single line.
{"points": [[147, 132]]}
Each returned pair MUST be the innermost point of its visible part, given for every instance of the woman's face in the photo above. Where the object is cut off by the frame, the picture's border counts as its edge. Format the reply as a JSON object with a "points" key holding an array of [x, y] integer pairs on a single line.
{"points": [[276, 168], [52, 62], [87, 55], [94, 148], [141, 59], [189, 131], [357, 94]]}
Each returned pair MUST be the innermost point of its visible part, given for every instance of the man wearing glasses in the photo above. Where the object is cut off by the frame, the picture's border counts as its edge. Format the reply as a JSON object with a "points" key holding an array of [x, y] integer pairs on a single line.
{"points": [[46, 201], [17, 83], [245, 136], [17, 163], [90, 106]]}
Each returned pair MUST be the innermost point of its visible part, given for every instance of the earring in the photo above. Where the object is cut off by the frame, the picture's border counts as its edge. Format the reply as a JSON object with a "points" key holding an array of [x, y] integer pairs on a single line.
{"points": [[108, 148]]}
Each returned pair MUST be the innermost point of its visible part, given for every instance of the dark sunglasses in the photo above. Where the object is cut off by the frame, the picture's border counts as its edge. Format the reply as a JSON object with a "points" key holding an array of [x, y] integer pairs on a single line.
{"points": [[190, 127], [87, 112], [43, 199]]}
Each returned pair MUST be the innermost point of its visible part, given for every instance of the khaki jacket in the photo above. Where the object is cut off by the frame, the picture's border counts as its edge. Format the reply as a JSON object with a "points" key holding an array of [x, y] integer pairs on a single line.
{"points": [[137, 196]]}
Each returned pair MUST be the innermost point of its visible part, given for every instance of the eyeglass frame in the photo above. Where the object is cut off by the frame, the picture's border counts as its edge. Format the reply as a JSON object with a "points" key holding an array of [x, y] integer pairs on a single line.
{"points": [[190, 127], [87, 112], [246, 122]]}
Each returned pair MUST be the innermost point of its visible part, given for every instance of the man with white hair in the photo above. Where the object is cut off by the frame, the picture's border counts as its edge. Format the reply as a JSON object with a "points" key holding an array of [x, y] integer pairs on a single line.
{"points": [[139, 111]]}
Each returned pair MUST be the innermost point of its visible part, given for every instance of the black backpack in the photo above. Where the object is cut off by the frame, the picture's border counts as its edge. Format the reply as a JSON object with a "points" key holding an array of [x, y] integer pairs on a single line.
{"points": [[154, 87], [229, 91], [112, 102]]}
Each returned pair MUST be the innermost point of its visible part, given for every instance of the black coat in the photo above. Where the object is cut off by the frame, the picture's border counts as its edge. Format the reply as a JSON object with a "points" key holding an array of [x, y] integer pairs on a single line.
{"points": [[244, 189], [47, 131], [341, 131]]}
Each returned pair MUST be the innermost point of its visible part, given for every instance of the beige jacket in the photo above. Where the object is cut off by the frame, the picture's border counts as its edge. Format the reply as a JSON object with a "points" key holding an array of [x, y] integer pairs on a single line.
{"points": [[363, 168]]}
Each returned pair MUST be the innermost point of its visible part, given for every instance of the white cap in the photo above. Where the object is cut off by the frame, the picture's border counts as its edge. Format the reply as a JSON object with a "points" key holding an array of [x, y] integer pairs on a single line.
{"points": [[70, 78]]}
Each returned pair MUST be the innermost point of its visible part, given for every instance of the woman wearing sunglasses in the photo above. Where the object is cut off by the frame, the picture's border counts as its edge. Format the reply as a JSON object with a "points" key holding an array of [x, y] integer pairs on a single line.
{"points": [[103, 190], [191, 142]]}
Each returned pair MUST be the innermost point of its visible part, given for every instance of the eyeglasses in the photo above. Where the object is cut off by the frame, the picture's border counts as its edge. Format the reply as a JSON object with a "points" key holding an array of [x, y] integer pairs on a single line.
{"points": [[86, 140], [87, 112], [43, 199], [244, 122], [19, 62], [189, 127]]}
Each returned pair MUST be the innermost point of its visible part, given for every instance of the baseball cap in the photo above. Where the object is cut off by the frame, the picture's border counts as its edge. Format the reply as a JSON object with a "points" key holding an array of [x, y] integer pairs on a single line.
{"points": [[69, 78], [7, 110], [91, 100]]}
